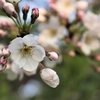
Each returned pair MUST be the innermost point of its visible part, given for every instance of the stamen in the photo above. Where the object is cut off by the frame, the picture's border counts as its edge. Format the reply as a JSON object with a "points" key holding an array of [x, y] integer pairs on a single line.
{"points": [[27, 50]]}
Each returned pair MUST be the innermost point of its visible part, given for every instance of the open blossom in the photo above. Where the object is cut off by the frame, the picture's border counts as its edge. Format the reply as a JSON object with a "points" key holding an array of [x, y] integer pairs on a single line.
{"points": [[26, 53], [91, 19], [90, 42], [50, 77]]}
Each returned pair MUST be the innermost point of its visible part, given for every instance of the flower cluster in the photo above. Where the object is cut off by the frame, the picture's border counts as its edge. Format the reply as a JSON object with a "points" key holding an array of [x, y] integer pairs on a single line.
{"points": [[24, 51]]}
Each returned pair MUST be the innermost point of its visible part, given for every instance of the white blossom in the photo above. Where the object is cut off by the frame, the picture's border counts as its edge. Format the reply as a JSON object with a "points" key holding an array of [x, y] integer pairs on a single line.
{"points": [[26, 53], [91, 21], [50, 77], [90, 42]]}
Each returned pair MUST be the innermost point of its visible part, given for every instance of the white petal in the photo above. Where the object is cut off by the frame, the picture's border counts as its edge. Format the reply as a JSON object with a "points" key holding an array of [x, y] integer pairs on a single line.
{"points": [[17, 57], [85, 49], [16, 44], [30, 40], [39, 53], [22, 61], [30, 64], [15, 68], [29, 73]]}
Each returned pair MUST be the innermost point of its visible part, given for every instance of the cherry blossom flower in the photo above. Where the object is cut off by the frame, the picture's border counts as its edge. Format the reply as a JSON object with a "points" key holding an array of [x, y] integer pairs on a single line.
{"points": [[91, 19], [51, 33], [26, 53], [50, 77], [90, 42], [65, 6]]}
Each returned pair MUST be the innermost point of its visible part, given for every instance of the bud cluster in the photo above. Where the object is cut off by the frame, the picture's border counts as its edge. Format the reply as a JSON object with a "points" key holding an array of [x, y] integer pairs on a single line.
{"points": [[4, 54], [12, 10], [26, 44]]}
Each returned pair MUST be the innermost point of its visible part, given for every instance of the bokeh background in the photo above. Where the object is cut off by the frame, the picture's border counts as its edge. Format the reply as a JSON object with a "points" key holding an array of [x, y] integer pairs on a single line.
{"points": [[78, 69]]}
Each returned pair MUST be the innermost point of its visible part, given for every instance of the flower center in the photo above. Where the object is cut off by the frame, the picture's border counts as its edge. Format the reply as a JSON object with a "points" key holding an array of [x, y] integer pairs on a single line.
{"points": [[88, 39], [67, 4], [52, 32], [27, 50]]}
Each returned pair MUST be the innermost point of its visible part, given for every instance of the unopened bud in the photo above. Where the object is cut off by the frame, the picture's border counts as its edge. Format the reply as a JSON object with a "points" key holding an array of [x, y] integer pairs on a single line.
{"points": [[50, 77], [35, 15], [53, 55], [25, 10], [3, 60], [71, 53], [3, 33], [82, 5], [2, 2], [80, 14], [79, 44], [9, 9], [5, 51]]}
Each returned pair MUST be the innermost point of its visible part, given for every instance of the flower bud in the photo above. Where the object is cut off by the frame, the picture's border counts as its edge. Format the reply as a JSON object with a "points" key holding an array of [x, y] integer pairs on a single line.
{"points": [[35, 15], [3, 60], [2, 2], [79, 44], [25, 10], [50, 77], [10, 10], [82, 5], [53, 55], [80, 14], [5, 51], [3, 33], [71, 53]]}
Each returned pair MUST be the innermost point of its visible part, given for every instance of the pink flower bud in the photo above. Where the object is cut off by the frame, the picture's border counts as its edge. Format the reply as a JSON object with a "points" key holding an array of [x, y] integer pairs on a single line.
{"points": [[34, 15], [9, 9], [82, 5], [35, 12], [5, 51], [79, 44], [25, 9], [97, 57], [3, 60], [71, 53], [80, 14], [52, 1], [50, 77], [53, 55], [3, 24], [2, 33], [2, 2]]}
